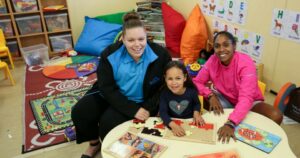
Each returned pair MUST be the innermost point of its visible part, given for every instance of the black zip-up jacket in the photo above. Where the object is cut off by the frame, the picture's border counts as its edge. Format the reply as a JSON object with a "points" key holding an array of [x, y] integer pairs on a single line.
{"points": [[153, 81]]}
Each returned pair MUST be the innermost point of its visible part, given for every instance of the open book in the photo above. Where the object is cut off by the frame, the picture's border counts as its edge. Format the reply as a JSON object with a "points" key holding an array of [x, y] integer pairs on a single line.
{"points": [[131, 145]]}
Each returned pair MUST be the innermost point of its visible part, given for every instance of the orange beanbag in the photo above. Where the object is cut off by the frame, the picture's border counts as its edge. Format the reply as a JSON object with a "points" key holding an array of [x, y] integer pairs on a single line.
{"points": [[194, 37], [174, 24]]}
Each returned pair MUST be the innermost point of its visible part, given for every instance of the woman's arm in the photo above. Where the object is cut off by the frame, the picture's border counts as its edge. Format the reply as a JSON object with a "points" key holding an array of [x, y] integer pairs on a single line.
{"points": [[202, 78], [246, 92]]}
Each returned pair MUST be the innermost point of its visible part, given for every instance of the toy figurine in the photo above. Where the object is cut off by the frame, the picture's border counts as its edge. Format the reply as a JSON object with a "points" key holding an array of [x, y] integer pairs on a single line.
{"points": [[70, 134]]}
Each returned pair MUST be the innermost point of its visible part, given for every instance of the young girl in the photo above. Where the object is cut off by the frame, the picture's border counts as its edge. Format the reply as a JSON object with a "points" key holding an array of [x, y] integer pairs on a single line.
{"points": [[179, 99]]}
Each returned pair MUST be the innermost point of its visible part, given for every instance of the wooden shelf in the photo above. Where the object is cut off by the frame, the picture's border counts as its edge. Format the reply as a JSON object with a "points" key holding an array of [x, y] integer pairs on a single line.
{"points": [[33, 34], [27, 13], [4, 15], [34, 38], [10, 37], [61, 31]]}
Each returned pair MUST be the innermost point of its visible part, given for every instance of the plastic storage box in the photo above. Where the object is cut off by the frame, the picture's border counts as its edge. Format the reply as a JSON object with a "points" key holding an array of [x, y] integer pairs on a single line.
{"points": [[57, 22], [61, 43], [13, 48], [3, 9], [25, 5], [36, 54], [5, 25], [29, 24]]}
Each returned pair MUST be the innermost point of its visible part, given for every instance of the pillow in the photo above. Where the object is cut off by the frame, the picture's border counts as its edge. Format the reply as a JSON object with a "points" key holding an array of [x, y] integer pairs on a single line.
{"points": [[96, 36], [174, 24], [116, 18], [194, 36]]}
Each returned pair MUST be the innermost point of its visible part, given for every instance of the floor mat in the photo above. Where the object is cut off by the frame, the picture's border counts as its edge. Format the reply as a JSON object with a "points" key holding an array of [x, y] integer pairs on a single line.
{"points": [[38, 86], [53, 113]]}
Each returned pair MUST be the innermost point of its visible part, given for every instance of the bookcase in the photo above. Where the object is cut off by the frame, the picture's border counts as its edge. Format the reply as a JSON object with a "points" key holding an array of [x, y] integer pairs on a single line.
{"points": [[27, 23]]}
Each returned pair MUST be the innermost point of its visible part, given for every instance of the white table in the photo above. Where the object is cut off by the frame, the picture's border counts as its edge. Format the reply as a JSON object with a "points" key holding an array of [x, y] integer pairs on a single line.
{"points": [[177, 149]]}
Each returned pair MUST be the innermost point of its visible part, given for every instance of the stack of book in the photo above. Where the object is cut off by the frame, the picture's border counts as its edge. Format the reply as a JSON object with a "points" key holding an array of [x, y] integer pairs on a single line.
{"points": [[151, 15]]}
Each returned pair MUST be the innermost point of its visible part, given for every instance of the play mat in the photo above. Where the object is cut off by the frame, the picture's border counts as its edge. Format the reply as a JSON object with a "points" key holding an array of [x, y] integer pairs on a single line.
{"points": [[71, 67]]}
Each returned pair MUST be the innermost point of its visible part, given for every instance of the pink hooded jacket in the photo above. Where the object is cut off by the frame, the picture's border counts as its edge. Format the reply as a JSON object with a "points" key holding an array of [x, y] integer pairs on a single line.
{"points": [[237, 82]]}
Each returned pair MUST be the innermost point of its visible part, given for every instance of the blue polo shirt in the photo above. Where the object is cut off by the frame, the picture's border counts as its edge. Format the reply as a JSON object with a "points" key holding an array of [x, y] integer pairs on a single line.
{"points": [[128, 74]]}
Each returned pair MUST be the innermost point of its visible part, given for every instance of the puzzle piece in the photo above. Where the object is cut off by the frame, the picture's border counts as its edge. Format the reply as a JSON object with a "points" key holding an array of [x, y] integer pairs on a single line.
{"points": [[207, 126], [188, 133]]}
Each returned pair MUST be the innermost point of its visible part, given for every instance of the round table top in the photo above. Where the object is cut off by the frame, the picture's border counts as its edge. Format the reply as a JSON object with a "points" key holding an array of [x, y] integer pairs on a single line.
{"points": [[180, 148]]}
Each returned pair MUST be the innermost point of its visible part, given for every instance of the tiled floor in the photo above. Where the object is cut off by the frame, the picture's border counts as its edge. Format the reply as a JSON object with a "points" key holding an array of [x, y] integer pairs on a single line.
{"points": [[11, 101]]}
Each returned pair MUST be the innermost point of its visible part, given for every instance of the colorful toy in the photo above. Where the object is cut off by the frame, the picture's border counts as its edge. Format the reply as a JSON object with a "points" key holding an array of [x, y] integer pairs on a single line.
{"points": [[70, 134], [193, 69]]}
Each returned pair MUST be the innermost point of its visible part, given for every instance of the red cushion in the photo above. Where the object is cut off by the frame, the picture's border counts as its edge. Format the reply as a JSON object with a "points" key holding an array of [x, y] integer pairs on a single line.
{"points": [[174, 24]]}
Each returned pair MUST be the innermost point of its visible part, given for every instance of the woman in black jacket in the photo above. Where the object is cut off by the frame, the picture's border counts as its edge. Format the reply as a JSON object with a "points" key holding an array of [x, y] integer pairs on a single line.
{"points": [[130, 74]]}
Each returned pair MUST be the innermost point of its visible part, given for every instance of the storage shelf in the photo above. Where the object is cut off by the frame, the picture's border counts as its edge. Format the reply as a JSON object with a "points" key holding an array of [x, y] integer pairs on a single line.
{"points": [[10, 37], [20, 19], [4, 15], [60, 31], [27, 13], [32, 34]]}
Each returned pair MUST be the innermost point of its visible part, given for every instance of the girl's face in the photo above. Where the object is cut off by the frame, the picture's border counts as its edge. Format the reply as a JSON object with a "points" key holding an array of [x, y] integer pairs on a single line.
{"points": [[175, 80], [224, 49], [135, 40]]}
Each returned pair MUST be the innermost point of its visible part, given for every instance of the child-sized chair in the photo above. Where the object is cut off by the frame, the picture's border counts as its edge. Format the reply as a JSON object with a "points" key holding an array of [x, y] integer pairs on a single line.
{"points": [[6, 71], [4, 51]]}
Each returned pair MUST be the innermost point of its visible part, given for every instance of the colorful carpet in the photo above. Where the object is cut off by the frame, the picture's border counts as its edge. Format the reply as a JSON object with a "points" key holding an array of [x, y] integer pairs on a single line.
{"points": [[53, 113], [38, 86]]}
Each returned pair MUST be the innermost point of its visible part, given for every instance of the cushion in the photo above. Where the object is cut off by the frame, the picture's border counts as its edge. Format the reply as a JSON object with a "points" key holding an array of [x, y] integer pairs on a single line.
{"points": [[194, 36], [116, 18], [96, 36], [174, 24]]}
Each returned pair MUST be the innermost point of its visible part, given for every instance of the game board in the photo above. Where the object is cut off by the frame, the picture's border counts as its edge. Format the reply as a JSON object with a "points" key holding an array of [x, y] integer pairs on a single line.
{"points": [[54, 112], [222, 154], [71, 67], [130, 145], [155, 127], [256, 137]]}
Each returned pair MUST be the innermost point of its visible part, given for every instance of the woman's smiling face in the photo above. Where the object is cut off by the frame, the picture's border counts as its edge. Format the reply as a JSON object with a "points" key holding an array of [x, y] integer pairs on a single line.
{"points": [[224, 48], [135, 40]]}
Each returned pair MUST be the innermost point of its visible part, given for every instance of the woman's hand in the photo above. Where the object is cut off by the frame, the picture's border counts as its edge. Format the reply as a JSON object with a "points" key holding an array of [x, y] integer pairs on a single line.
{"points": [[176, 129], [198, 120], [215, 105], [142, 114], [225, 132]]}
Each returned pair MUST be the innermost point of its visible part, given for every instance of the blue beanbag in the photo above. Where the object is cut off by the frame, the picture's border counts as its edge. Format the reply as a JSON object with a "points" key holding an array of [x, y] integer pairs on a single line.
{"points": [[96, 36]]}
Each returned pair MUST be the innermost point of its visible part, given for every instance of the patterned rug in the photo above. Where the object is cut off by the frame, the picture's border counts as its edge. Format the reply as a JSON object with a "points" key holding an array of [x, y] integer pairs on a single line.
{"points": [[53, 113], [38, 86]]}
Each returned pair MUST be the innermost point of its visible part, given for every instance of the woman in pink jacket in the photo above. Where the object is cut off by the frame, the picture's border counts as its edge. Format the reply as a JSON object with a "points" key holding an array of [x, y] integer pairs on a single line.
{"points": [[234, 79]]}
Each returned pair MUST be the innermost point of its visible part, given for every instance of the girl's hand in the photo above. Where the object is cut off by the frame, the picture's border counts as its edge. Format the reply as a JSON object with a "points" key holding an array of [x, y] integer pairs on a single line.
{"points": [[142, 114], [177, 130], [225, 132], [198, 120], [215, 105]]}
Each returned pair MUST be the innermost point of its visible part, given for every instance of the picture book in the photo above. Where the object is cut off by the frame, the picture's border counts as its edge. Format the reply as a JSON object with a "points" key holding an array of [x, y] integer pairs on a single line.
{"points": [[223, 154], [256, 137], [130, 145], [155, 127]]}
